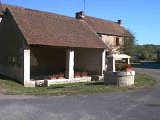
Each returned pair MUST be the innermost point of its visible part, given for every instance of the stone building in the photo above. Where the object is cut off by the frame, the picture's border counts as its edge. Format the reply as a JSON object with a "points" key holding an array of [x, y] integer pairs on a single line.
{"points": [[35, 43], [38, 44]]}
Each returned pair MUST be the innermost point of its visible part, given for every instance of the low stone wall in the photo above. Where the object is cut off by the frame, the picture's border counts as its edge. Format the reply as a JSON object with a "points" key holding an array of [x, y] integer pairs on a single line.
{"points": [[121, 79], [61, 81]]}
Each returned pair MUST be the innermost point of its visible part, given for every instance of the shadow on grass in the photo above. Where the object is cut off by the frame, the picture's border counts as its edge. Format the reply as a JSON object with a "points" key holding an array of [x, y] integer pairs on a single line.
{"points": [[55, 87], [72, 85], [2, 77], [96, 83]]}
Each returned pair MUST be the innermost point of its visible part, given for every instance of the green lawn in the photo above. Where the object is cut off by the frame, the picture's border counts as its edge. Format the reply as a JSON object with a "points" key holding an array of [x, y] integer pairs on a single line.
{"points": [[9, 87]]}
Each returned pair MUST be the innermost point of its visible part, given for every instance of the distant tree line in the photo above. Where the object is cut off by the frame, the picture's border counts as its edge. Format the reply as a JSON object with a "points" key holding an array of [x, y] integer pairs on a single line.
{"points": [[138, 52], [147, 51]]}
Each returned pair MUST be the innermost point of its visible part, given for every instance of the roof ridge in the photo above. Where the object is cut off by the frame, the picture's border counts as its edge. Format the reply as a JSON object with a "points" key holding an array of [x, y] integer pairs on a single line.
{"points": [[55, 30], [101, 19], [105, 26], [35, 10], [5, 5], [29, 9]]}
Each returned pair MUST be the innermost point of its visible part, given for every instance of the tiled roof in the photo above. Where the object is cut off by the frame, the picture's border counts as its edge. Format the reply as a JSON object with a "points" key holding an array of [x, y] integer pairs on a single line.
{"points": [[43, 28], [105, 26]]}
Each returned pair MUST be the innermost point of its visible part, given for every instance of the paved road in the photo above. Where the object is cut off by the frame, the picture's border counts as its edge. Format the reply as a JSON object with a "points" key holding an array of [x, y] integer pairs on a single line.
{"points": [[140, 105], [149, 68]]}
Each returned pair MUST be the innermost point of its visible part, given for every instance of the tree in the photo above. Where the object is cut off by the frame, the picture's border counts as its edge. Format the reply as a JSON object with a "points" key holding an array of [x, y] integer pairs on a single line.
{"points": [[148, 51], [129, 46], [143, 56]]}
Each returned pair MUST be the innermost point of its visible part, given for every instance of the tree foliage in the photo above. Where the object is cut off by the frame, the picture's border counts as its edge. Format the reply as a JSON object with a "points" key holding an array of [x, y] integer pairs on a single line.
{"points": [[138, 52], [148, 51], [129, 44]]}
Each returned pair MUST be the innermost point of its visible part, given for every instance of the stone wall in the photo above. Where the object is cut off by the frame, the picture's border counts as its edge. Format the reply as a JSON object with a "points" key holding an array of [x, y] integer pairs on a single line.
{"points": [[11, 49], [111, 40], [89, 60], [121, 79], [46, 60]]}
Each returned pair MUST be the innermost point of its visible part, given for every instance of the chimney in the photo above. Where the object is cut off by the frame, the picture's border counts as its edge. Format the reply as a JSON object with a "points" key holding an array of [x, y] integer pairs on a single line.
{"points": [[80, 15], [119, 22]]}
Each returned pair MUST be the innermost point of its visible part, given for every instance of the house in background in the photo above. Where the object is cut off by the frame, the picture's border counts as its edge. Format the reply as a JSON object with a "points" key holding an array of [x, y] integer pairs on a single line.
{"points": [[35, 43], [111, 32]]}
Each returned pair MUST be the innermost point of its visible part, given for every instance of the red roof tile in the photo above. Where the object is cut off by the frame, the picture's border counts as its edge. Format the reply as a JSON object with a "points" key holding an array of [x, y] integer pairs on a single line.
{"points": [[105, 26], [43, 28]]}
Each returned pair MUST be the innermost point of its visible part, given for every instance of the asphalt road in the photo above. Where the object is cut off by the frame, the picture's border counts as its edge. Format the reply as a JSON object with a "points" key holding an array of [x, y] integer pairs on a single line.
{"points": [[139, 105], [149, 68]]}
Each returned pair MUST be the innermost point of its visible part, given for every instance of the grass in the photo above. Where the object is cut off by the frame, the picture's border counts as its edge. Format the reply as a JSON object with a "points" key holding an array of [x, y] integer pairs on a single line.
{"points": [[10, 87], [144, 81]]}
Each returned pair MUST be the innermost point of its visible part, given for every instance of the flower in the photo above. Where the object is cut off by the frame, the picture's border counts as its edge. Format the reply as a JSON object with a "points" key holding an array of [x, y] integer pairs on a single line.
{"points": [[123, 67], [127, 67]]}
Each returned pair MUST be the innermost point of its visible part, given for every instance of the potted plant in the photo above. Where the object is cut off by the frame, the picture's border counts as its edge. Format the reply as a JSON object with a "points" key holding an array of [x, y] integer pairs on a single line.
{"points": [[61, 76], [127, 67], [77, 74], [84, 74], [53, 77]]}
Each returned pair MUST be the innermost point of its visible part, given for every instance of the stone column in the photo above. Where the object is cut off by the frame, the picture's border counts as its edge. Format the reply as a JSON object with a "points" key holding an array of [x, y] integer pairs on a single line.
{"points": [[103, 61], [69, 74], [127, 60], [27, 82], [113, 65]]}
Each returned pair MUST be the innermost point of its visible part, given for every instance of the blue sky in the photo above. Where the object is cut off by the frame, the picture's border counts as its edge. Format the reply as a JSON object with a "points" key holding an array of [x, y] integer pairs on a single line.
{"points": [[142, 17]]}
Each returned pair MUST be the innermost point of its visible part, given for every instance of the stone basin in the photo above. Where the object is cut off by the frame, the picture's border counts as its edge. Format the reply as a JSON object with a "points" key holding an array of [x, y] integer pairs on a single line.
{"points": [[119, 78]]}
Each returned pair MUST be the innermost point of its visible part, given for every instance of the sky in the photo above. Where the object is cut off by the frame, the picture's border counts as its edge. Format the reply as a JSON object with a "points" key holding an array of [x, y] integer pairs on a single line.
{"points": [[141, 17]]}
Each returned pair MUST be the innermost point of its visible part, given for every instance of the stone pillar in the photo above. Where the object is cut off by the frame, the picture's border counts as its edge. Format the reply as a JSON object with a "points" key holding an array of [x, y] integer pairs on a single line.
{"points": [[127, 60], [113, 65], [27, 82], [103, 61], [69, 74]]}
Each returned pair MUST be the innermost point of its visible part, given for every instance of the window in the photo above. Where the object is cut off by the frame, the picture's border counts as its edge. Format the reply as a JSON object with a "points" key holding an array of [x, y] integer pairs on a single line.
{"points": [[117, 41]]}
